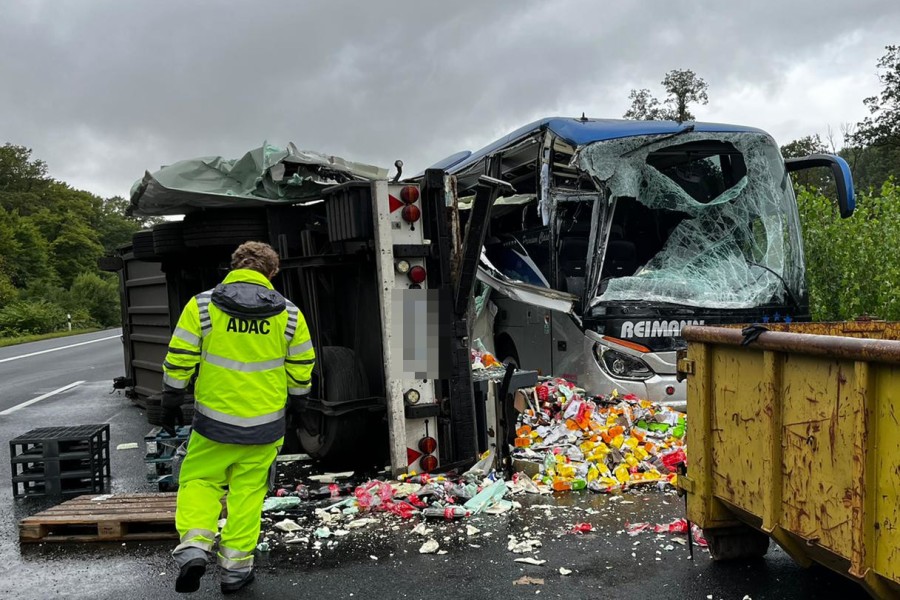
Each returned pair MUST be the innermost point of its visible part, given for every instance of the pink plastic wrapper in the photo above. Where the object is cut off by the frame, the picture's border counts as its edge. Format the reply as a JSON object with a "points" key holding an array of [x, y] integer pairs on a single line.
{"points": [[400, 508], [673, 458], [635, 528], [373, 494], [676, 526], [582, 528]]}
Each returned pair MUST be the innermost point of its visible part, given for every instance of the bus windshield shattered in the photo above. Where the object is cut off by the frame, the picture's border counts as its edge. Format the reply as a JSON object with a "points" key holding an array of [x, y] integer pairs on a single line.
{"points": [[621, 233], [697, 219]]}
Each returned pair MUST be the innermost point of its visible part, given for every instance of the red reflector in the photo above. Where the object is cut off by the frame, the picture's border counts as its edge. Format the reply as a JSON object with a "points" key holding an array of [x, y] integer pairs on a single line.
{"points": [[409, 194], [417, 274], [410, 213], [412, 456], [670, 390], [428, 463], [428, 445], [393, 203]]}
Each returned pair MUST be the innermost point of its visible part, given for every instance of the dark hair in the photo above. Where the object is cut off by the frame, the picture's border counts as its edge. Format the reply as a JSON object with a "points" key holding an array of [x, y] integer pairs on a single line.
{"points": [[257, 256]]}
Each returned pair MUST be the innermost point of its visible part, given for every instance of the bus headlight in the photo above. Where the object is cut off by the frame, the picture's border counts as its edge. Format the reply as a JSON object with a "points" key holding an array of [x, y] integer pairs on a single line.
{"points": [[621, 366]]}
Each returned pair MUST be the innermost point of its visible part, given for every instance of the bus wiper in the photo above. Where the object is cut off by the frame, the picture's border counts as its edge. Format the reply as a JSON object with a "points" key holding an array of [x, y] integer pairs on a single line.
{"points": [[687, 129], [783, 281]]}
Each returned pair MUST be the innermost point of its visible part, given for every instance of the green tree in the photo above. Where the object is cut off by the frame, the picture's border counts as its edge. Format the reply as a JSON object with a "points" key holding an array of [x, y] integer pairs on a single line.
{"points": [[644, 107], [75, 251], [850, 270], [819, 178], [18, 172], [97, 296], [113, 227], [882, 126], [683, 87]]}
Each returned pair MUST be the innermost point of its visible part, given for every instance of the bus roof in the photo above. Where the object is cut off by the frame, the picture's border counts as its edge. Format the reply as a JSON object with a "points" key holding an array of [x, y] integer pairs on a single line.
{"points": [[579, 132]]}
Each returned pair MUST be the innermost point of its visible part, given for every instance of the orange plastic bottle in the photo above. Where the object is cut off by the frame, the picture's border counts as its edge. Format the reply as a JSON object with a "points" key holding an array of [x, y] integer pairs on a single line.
{"points": [[561, 485]]}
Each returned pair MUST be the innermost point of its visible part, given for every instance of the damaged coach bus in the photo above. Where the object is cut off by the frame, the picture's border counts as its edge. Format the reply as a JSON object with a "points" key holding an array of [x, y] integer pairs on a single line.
{"points": [[622, 232]]}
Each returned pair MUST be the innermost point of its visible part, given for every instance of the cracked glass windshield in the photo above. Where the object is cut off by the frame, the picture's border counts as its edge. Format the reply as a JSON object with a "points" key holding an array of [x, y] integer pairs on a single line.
{"points": [[697, 220]]}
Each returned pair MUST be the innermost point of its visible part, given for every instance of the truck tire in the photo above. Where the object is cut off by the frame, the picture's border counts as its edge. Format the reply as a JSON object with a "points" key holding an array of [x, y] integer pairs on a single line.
{"points": [[227, 228], [736, 543], [168, 238], [142, 246], [338, 441], [153, 410]]}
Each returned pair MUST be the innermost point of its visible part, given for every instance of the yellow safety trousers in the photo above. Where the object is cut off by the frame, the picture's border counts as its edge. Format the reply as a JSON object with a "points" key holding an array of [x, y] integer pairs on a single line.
{"points": [[207, 469]]}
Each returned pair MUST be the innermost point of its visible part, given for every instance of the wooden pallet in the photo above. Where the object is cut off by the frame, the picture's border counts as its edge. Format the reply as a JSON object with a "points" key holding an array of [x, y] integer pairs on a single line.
{"points": [[109, 518]]}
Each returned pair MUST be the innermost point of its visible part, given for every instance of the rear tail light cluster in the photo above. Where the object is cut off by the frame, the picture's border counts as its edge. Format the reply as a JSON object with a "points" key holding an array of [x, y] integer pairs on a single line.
{"points": [[417, 274], [427, 446], [410, 213]]}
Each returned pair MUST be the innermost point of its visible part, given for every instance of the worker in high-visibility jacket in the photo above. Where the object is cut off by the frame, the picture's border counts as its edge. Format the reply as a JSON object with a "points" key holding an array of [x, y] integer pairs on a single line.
{"points": [[255, 360]]}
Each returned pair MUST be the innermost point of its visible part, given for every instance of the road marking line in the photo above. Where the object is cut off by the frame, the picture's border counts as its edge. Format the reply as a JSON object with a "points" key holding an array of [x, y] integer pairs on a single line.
{"points": [[39, 398], [3, 360]]}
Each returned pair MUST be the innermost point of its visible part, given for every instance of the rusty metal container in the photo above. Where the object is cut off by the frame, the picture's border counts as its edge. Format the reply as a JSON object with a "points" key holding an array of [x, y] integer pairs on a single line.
{"points": [[795, 436]]}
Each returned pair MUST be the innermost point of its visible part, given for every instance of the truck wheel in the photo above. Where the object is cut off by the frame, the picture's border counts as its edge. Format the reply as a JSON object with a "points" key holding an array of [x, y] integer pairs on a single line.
{"points": [[168, 238], [226, 228], [142, 246], [338, 441], [154, 410], [738, 543]]}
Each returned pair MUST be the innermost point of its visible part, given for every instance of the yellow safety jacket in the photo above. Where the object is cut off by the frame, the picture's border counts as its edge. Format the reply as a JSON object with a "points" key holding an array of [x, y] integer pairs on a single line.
{"points": [[254, 351]]}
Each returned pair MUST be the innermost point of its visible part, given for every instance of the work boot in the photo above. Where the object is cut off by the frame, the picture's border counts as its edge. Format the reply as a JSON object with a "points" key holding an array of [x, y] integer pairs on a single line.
{"points": [[232, 581], [189, 578]]}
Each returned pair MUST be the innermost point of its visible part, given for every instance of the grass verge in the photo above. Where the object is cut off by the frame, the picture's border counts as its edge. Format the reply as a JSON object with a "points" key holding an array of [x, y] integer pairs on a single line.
{"points": [[12, 341]]}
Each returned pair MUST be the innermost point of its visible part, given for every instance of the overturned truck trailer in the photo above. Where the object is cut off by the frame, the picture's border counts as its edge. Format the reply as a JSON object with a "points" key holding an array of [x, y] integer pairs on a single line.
{"points": [[379, 268]]}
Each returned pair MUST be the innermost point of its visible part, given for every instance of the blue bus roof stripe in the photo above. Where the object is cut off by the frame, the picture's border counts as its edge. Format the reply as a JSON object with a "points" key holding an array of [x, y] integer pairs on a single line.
{"points": [[579, 133]]}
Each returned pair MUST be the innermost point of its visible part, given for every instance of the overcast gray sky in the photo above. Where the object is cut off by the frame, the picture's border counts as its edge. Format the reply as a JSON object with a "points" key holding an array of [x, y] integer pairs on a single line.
{"points": [[103, 90]]}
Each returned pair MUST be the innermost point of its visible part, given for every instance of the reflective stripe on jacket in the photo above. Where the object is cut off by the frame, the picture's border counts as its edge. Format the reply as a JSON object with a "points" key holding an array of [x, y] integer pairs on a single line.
{"points": [[248, 366]]}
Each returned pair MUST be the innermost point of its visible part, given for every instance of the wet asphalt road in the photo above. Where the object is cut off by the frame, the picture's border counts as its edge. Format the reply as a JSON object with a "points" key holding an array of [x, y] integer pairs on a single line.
{"points": [[606, 563]]}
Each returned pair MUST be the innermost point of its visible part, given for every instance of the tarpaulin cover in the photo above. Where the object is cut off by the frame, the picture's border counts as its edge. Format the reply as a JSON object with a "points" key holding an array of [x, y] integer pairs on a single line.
{"points": [[265, 175], [731, 252]]}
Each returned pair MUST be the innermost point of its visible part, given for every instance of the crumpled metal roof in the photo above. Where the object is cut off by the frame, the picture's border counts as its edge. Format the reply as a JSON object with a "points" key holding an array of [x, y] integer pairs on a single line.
{"points": [[262, 176]]}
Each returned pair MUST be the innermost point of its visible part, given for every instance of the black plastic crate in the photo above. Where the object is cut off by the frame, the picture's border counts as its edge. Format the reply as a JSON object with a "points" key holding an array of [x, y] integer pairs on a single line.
{"points": [[60, 461], [160, 458]]}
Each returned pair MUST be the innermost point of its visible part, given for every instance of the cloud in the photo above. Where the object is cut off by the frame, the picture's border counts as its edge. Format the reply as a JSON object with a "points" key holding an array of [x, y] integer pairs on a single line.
{"points": [[104, 90]]}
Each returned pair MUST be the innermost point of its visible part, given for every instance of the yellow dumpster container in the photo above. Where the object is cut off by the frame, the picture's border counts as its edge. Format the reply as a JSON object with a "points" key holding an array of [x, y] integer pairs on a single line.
{"points": [[795, 436]]}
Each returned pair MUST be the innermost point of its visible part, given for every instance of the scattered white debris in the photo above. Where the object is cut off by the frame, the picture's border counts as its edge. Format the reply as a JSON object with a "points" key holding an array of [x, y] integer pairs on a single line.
{"points": [[289, 458], [287, 526], [470, 530], [531, 561], [565, 571], [341, 532], [523, 547], [429, 547], [442, 552], [297, 540], [356, 524], [330, 477], [422, 529], [127, 446], [373, 557], [323, 532]]}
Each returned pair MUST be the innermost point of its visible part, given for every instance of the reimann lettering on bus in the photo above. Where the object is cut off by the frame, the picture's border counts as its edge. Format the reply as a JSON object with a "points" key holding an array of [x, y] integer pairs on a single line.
{"points": [[648, 329]]}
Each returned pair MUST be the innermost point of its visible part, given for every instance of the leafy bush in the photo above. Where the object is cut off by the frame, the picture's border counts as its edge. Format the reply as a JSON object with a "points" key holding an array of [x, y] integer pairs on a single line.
{"points": [[31, 318], [852, 267], [96, 296]]}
